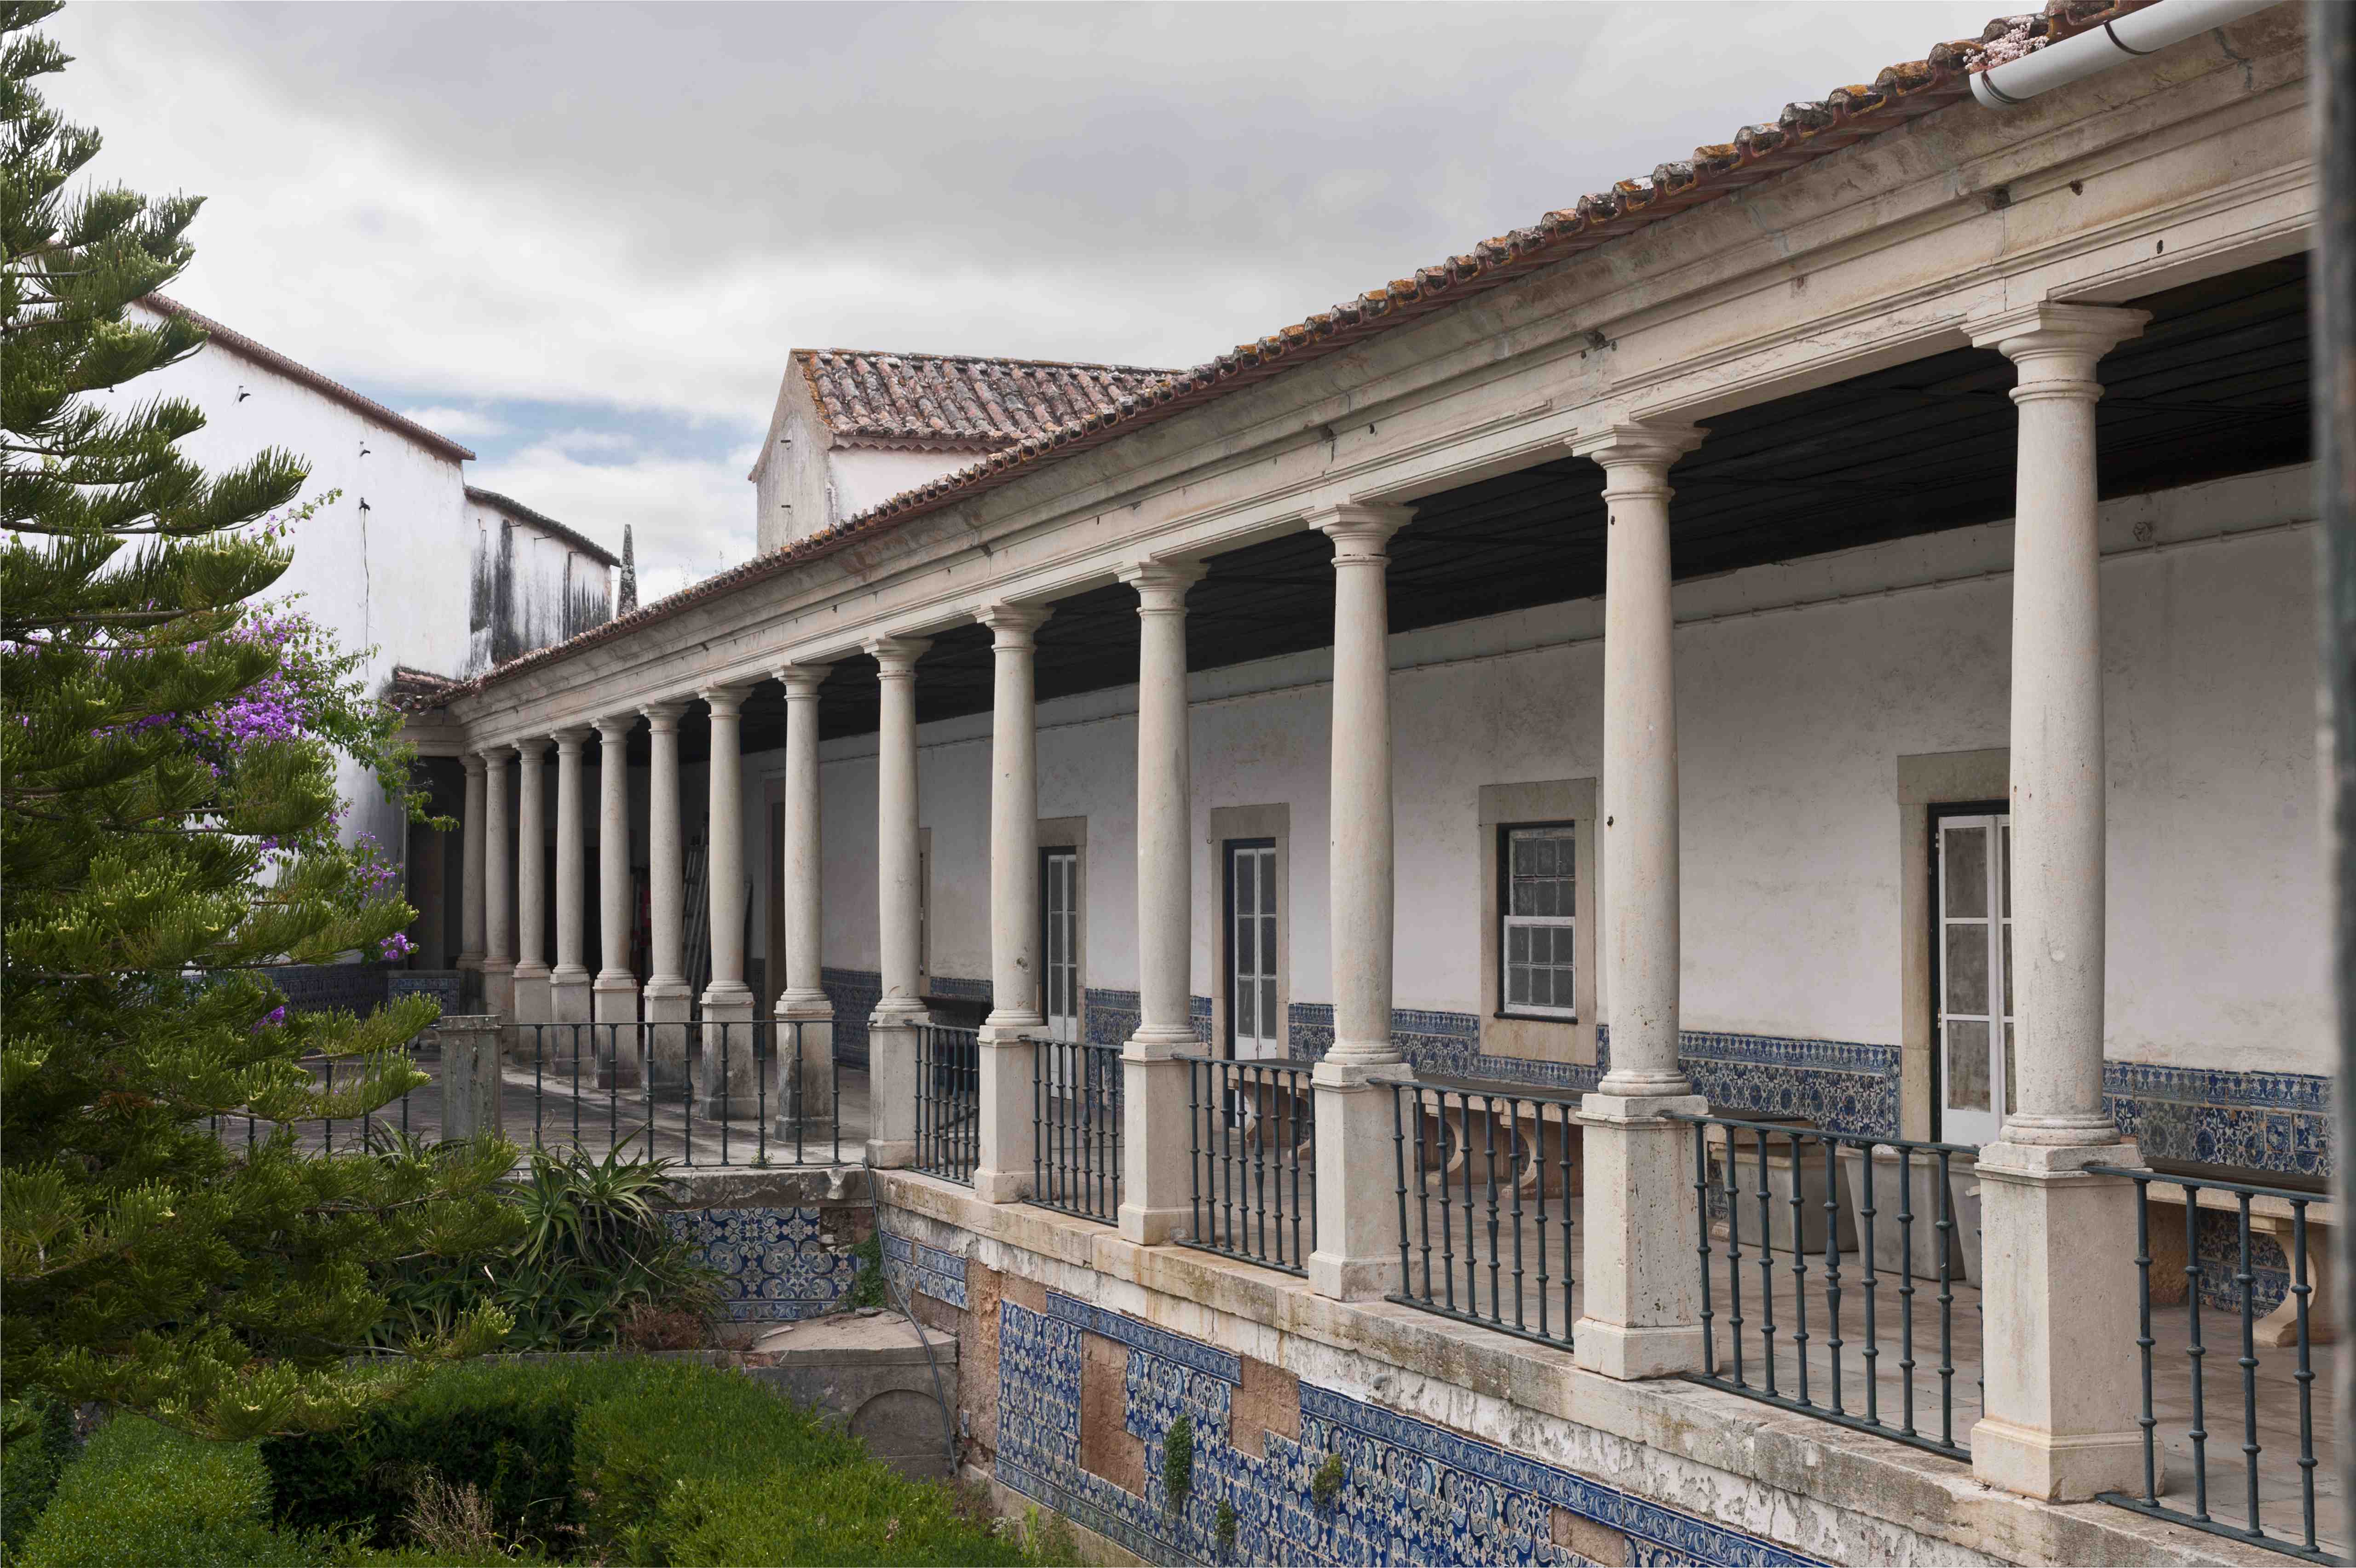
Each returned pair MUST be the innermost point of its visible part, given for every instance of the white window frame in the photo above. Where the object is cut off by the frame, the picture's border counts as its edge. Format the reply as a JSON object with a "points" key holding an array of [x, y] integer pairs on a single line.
{"points": [[1267, 1039], [1059, 906], [1508, 923], [1968, 1123]]}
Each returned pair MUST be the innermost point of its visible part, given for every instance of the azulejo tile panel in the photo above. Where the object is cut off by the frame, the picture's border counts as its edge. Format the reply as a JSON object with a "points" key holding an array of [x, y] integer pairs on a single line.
{"points": [[910, 1267], [1412, 1493], [773, 1265], [2278, 1122], [854, 993]]}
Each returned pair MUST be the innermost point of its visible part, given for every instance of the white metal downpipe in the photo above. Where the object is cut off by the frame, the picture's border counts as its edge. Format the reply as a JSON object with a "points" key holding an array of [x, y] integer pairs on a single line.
{"points": [[2142, 32]]}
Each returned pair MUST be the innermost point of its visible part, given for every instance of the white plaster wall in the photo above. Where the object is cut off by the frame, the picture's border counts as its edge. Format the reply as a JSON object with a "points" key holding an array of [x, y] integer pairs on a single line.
{"points": [[864, 476], [395, 580], [1792, 716]]}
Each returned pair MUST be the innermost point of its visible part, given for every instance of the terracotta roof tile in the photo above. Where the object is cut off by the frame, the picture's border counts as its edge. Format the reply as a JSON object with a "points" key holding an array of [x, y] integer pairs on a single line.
{"points": [[959, 402], [1802, 132], [270, 358], [518, 511]]}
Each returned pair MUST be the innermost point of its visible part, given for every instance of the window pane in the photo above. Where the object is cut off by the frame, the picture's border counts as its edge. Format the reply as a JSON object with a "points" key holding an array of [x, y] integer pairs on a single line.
{"points": [[1518, 944], [1268, 946], [1541, 987], [1267, 882], [1268, 1019], [2008, 968], [1967, 967], [2012, 1100], [1246, 995], [1517, 986], [2005, 832], [1245, 897], [1967, 1066], [1965, 870]]}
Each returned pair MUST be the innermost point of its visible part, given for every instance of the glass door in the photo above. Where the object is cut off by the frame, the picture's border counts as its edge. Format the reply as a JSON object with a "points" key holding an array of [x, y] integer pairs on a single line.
{"points": [[1254, 1029], [1059, 877], [1974, 982]]}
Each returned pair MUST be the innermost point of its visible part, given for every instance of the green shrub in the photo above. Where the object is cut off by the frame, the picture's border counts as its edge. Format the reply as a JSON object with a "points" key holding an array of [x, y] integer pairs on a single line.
{"points": [[37, 1442], [1326, 1484], [143, 1496], [1178, 1460], [867, 1283], [513, 1443], [858, 1515], [594, 1258]]}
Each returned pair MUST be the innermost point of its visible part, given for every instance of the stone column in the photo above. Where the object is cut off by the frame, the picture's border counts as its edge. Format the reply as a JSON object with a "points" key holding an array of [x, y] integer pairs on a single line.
{"points": [[666, 999], [727, 1077], [805, 1012], [616, 993], [1642, 1315], [1156, 1206], [1357, 1240], [2062, 1379], [568, 983], [471, 951], [499, 891], [1009, 1036], [534, 1000], [892, 1027]]}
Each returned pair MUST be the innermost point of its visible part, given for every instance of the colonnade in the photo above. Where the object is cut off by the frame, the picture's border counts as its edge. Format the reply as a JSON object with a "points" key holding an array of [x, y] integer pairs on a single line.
{"points": [[2051, 1229]]}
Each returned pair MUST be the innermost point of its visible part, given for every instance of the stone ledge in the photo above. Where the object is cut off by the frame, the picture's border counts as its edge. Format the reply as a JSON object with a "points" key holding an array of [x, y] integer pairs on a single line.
{"points": [[1250, 1309]]}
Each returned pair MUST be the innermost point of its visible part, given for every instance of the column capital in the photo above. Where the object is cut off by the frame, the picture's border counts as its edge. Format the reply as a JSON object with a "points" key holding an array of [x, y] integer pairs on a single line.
{"points": [[801, 681], [1652, 444], [896, 657], [1161, 585], [473, 762], [1359, 530], [530, 748], [1011, 623], [727, 701], [615, 728], [663, 717], [2053, 348], [571, 740]]}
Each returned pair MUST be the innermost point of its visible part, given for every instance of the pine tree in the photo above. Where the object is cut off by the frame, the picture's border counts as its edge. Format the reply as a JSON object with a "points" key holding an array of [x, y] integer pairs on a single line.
{"points": [[167, 831]]}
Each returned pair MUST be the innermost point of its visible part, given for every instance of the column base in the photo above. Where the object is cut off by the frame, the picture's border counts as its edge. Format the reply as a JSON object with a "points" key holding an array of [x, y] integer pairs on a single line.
{"points": [[1641, 1314], [890, 1154], [1154, 1226], [534, 1002], [615, 1002], [811, 1110], [727, 1078], [1356, 1257], [498, 987], [568, 995], [2063, 1378], [2059, 1469], [1618, 1350], [667, 1008], [891, 1087], [1157, 1176], [1006, 1087]]}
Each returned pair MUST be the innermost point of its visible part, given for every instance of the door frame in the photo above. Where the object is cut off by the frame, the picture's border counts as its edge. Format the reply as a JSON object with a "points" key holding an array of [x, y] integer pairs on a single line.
{"points": [[1936, 813]]}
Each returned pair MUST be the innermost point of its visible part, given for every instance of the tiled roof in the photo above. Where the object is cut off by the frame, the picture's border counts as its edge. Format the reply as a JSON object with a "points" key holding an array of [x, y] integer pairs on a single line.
{"points": [[418, 691], [522, 513], [959, 402], [270, 358], [1802, 134]]}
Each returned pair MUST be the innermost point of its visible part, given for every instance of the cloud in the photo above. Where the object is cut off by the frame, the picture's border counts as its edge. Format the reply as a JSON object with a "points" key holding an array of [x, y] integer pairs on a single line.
{"points": [[458, 424], [638, 211]]}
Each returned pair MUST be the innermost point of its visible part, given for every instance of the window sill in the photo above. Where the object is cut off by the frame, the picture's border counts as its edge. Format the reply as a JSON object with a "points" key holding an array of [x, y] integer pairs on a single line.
{"points": [[1536, 1017]]}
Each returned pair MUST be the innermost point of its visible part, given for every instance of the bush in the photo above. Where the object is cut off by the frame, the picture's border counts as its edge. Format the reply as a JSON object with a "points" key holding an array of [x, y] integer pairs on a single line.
{"points": [[617, 1461], [143, 1496], [36, 1443], [512, 1446]]}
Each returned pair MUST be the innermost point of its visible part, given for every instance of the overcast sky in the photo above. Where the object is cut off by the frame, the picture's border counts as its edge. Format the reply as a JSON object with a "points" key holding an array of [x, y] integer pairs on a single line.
{"points": [[581, 239]]}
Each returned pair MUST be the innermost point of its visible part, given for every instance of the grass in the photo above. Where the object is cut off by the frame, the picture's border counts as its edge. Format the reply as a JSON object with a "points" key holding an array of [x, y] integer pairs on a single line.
{"points": [[676, 1463]]}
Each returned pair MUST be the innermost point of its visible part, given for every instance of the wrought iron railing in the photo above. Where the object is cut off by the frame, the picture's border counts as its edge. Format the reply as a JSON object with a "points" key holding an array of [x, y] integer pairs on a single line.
{"points": [[699, 1092], [949, 1101], [1076, 1110], [1795, 1182], [1487, 1177], [2232, 1284], [1252, 1160]]}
